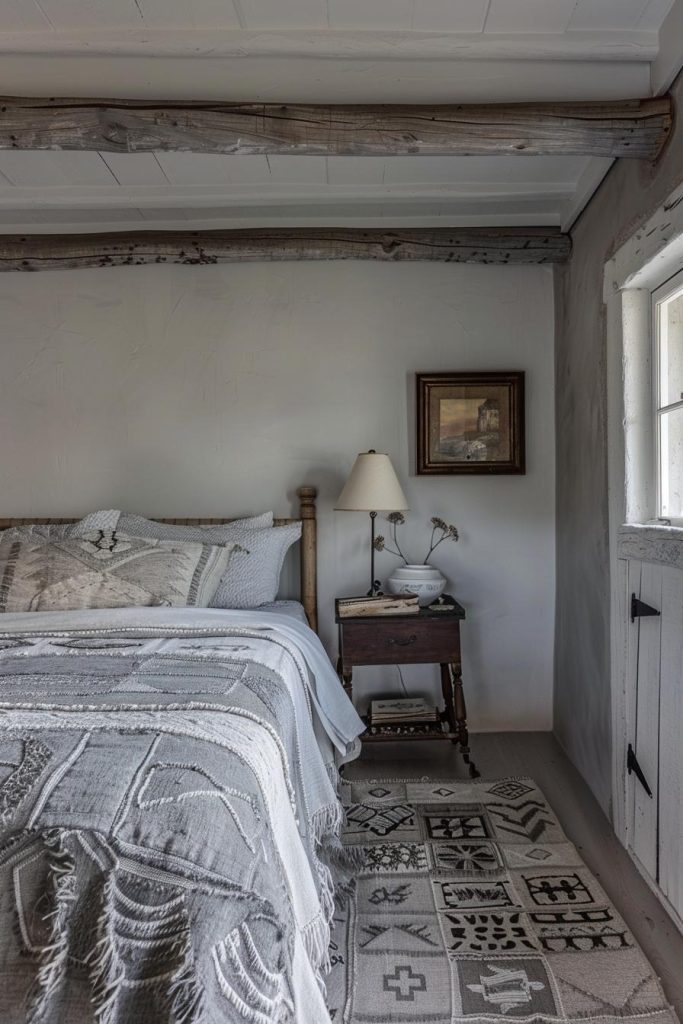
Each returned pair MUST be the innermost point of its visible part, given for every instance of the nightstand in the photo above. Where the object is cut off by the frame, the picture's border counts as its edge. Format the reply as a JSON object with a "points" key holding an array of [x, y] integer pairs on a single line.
{"points": [[430, 637]]}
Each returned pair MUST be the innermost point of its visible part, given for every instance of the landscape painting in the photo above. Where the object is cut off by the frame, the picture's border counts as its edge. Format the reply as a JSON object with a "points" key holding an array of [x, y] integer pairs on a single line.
{"points": [[470, 423]]}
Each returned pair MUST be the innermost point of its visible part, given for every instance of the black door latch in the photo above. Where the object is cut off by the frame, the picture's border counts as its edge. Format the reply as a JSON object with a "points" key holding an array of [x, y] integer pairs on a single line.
{"points": [[633, 766], [639, 610]]}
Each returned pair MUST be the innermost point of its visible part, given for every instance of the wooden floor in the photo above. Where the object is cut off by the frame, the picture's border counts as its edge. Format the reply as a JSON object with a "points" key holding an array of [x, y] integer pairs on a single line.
{"points": [[538, 755]]}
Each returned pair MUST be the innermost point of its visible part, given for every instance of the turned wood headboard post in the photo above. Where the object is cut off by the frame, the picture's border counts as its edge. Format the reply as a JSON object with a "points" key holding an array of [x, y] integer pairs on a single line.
{"points": [[309, 574]]}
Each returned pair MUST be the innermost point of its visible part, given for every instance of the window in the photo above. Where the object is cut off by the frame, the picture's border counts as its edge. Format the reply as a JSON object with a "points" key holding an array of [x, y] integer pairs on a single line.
{"points": [[668, 397]]}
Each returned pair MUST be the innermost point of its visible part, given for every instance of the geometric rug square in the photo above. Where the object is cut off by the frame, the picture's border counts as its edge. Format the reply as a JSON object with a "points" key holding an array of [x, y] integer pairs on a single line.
{"points": [[454, 821], [466, 858], [472, 907], [510, 987], [404, 894], [542, 888], [610, 983], [372, 821]]}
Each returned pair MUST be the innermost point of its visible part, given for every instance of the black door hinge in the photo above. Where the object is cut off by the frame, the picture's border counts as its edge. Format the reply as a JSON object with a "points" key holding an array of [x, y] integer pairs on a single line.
{"points": [[639, 610], [633, 766]]}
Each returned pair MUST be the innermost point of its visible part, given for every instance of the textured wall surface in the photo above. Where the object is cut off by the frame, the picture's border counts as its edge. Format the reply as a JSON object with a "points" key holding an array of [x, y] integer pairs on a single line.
{"points": [[217, 390], [630, 193]]}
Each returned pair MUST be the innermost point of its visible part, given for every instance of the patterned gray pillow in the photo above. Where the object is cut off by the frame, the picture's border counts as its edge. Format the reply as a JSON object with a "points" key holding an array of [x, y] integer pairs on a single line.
{"points": [[253, 576], [139, 526], [107, 569]]}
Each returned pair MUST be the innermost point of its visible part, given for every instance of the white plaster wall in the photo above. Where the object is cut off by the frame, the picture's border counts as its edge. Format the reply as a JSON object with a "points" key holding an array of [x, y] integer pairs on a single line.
{"points": [[630, 193], [218, 390]]}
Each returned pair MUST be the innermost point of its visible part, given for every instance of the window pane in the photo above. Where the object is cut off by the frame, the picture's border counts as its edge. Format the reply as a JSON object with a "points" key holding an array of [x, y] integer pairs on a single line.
{"points": [[671, 350], [671, 463]]}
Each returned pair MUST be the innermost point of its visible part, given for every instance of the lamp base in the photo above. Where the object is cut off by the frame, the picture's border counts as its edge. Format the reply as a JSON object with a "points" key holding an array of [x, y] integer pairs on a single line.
{"points": [[375, 585]]}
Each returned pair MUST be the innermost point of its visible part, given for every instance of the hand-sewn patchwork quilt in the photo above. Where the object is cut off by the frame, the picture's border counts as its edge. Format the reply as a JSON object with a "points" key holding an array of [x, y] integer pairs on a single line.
{"points": [[168, 822]]}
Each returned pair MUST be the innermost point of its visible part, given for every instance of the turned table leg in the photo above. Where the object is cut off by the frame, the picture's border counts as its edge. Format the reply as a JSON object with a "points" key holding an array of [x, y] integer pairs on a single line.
{"points": [[460, 714], [449, 705]]}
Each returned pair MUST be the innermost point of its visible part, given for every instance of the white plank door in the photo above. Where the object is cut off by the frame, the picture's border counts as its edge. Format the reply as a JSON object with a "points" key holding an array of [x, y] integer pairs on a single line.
{"points": [[671, 740], [645, 741]]}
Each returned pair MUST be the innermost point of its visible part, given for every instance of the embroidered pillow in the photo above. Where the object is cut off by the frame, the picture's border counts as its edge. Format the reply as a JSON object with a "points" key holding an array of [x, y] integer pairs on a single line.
{"points": [[253, 575], [139, 526], [107, 569]]}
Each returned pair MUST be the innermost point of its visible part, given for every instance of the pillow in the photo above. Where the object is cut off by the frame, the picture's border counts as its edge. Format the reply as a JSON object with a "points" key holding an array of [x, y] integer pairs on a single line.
{"points": [[59, 531], [253, 575], [139, 526], [107, 569]]}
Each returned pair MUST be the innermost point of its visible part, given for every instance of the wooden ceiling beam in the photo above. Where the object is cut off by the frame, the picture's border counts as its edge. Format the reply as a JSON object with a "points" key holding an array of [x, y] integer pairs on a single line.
{"points": [[628, 128], [447, 245]]}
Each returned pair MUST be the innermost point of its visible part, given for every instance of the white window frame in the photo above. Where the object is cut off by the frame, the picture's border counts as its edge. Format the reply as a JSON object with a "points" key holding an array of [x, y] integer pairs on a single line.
{"points": [[666, 290], [646, 260]]}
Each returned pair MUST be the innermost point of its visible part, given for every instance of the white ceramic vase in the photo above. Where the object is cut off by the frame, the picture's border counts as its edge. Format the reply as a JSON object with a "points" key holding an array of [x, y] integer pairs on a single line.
{"points": [[423, 580]]}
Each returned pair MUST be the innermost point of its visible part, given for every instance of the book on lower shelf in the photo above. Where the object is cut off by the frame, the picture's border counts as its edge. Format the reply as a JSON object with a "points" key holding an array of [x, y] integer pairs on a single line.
{"points": [[399, 710], [402, 604]]}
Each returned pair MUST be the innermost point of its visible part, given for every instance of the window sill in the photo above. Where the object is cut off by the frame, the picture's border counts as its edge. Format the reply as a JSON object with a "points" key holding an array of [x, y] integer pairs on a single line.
{"points": [[650, 542]]}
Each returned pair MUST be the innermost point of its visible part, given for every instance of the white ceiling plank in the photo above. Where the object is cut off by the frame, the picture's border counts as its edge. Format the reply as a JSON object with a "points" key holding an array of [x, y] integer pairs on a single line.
{"points": [[481, 171], [352, 170], [373, 15], [135, 168], [594, 170], [434, 211], [654, 14], [22, 15], [75, 220], [267, 195], [52, 168], [96, 14], [206, 169], [152, 214], [303, 170], [437, 16], [590, 15], [529, 16], [336, 44], [330, 81], [190, 14], [668, 63], [274, 14]]}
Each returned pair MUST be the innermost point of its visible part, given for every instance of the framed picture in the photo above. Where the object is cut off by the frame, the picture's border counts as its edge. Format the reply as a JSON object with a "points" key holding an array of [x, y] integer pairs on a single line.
{"points": [[470, 423]]}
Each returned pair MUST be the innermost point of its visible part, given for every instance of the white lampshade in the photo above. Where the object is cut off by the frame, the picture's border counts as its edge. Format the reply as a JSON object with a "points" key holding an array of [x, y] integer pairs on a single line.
{"points": [[372, 486]]}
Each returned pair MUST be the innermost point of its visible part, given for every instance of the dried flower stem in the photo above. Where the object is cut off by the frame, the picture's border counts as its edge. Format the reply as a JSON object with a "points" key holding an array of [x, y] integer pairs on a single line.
{"points": [[447, 530], [394, 527]]}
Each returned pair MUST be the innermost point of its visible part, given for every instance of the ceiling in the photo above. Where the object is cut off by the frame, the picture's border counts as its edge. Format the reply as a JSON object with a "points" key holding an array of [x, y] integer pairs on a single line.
{"points": [[319, 51]]}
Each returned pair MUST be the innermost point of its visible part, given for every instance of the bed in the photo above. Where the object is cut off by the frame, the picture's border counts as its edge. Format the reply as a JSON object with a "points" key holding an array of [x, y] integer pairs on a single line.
{"points": [[169, 817]]}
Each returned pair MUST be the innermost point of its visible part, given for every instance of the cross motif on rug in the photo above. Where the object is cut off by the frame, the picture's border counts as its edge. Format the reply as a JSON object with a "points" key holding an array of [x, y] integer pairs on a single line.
{"points": [[404, 984]]}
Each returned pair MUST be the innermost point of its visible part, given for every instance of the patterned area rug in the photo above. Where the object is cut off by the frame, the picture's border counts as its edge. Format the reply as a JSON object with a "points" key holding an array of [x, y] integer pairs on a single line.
{"points": [[472, 905]]}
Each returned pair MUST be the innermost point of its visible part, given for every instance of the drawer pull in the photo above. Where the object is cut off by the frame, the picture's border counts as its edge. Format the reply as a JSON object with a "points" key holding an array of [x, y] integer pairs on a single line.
{"points": [[403, 642]]}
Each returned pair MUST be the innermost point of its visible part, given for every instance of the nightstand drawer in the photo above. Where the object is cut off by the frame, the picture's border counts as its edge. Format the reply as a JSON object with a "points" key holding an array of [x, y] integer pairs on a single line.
{"points": [[402, 642]]}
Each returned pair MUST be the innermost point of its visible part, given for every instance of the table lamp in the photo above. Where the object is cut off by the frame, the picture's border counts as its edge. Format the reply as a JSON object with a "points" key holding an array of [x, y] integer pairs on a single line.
{"points": [[372, 487]]}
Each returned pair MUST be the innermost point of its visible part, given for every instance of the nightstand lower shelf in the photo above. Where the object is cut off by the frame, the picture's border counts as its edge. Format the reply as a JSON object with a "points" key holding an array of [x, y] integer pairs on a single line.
{"points": [[384, 733]]}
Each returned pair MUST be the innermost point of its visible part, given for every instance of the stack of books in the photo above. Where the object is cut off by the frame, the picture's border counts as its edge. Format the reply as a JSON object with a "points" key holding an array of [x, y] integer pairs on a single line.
{"points": [[402, 711], [403, 604]]}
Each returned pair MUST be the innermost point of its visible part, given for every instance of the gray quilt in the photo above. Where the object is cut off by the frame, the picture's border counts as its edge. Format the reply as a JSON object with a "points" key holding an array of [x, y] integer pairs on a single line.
{"points": [[168, 818]]}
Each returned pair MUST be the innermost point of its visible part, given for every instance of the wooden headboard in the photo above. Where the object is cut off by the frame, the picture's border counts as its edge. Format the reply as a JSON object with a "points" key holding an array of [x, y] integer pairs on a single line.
{"points": [[308, 548]]}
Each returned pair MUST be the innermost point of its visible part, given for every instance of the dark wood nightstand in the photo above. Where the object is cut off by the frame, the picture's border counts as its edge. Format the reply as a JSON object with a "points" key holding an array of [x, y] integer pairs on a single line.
{"points": [[430, 637]]}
